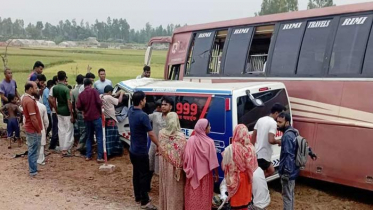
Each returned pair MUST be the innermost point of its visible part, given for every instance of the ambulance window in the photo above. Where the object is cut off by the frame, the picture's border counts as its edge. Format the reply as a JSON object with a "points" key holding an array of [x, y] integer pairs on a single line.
{"points": [[239, 41], [151, 105], [248, 114], [314, 44], [349, 45], [190, 109], [200, 53], [288, 42]]}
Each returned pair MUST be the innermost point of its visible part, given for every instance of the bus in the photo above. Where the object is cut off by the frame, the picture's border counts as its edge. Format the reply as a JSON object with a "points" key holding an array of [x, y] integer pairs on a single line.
{"points": [[325, 59]]}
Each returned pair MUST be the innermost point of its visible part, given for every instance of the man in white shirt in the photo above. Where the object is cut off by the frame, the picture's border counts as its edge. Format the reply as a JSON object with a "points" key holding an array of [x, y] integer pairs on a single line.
{"points": [[90, 76], [45, 123], [260, 190], [264, 137], [102, 82], [145, 74]]}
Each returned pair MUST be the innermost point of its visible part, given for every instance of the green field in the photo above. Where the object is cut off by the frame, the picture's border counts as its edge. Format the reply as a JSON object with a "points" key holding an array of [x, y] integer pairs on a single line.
{"points": [[119, 64]]}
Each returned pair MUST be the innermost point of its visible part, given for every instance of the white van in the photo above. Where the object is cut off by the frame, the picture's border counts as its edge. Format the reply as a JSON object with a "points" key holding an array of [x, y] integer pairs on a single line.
{"points": [[224, 104]]}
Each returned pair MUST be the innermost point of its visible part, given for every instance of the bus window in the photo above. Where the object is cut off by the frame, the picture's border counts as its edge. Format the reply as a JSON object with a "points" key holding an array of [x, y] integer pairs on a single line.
{"points": [[349, 45], [248, 113], [314, 44], [236, 53], [368, 61], [174, 72], [259, 49], [200, 53], [285, 54], [217, 51]]}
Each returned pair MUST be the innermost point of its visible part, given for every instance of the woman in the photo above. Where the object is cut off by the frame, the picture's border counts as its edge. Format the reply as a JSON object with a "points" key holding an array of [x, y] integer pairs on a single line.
{"points": [[171, 177], [199, 161], [239, 164]]}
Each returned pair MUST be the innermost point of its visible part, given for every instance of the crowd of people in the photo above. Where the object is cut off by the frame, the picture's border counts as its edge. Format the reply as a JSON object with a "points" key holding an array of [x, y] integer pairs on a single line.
{"points": [[52, 111], [188, 170]]}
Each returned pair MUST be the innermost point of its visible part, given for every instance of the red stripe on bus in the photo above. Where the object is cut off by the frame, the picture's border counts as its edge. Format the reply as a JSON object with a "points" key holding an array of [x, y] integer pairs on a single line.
{"points": [[205, 108]]}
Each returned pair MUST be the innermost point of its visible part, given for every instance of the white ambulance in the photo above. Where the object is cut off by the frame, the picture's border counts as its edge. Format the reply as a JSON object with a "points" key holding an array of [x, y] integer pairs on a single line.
{"points": [[224, 104]]}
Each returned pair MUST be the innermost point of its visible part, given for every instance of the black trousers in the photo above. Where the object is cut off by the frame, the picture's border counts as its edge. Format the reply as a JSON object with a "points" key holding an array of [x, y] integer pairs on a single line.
{"points": [[140, 177], [50, 124], [54, 139]]}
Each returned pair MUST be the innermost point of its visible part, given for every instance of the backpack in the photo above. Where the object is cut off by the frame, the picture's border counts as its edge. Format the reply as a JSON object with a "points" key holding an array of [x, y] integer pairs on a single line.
{"points": [[302, 152], [301, 155]]}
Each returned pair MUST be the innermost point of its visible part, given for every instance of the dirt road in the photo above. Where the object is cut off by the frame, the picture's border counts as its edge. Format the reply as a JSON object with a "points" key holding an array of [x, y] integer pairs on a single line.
{"points": [[73, 183]]}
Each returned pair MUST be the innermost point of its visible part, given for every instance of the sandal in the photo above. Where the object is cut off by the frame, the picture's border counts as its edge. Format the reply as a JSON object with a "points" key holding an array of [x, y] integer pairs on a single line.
{"points": [[149, 206], [88, 159]]}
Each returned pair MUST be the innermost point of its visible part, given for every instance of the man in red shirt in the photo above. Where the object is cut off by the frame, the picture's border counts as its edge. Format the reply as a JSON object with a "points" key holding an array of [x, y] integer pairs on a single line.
{"points": [[32, 125], [89, 102]]}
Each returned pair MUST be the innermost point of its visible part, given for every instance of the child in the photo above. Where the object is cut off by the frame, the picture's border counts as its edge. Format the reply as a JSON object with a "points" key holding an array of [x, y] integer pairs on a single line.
{"points": [[13, 125]]}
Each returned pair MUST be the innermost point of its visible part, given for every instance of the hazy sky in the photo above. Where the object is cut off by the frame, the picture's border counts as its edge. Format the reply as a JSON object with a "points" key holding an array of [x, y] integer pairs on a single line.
{"points": [[137, 12]]}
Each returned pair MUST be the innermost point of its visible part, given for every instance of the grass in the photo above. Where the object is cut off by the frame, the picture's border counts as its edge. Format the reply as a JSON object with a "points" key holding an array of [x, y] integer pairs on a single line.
{"points": [[119, 64]]}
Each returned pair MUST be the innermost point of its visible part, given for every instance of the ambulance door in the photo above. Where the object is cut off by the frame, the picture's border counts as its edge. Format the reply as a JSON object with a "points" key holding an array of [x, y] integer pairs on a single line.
{"points": [[250, 105]]}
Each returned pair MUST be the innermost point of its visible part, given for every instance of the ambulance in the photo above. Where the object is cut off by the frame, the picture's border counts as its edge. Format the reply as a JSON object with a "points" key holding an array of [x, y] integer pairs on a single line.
{"points": [[224, 105]]}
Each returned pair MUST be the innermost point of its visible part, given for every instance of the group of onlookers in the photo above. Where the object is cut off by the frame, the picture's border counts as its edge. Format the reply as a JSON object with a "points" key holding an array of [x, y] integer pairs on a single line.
{"points": [[67, 113]]}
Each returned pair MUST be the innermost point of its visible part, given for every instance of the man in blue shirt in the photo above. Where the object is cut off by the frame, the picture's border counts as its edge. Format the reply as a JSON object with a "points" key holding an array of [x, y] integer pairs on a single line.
{"points": [[50, 84], [38, 69], [102, 82], [288, 169], [140, 127]]}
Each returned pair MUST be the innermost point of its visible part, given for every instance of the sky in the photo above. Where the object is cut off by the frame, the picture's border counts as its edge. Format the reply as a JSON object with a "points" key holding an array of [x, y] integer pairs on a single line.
{"points": [[136, 12]]}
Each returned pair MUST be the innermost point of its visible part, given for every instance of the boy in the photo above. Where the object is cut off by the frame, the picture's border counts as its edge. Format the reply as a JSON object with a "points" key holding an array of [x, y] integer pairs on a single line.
{"points": [[13, 125]]}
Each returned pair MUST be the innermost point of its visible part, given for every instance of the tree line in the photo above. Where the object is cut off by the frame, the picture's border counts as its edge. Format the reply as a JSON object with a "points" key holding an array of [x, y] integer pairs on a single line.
{"points": [[119, 30], [279, 6], [113, 30]]}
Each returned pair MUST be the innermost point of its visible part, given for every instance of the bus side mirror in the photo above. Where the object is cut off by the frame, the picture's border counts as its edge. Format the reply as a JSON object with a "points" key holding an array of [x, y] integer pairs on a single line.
{"points": [[255, 101], [148, 55]]}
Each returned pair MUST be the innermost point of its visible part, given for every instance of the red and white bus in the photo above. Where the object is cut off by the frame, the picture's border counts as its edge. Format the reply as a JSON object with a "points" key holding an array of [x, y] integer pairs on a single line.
{"points": [[325, 59]]}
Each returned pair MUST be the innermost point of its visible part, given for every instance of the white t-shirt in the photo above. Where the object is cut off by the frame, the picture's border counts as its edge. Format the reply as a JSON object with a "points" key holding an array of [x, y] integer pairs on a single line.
{"points": [[51, 94], [263, 127], [260, 189]]}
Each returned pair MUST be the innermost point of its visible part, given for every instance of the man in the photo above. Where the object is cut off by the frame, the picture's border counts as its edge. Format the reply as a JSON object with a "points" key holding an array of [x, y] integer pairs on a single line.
{"points": [[90, 76], [102, 82], [140, 127], [40, 82], [37, 69], [261, 197], [264, 137], [80, 131], [145, 74], [113, 144], [61, 94], [159, 122], [45, 122], [32, 126], [90, 104], [54, 139], [8, 86], [288, 169], [46, 104]]}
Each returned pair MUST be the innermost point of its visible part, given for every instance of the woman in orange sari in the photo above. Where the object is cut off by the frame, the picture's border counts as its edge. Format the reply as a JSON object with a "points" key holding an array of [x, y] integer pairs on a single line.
{"points": [[171, 175], [239, 163]]}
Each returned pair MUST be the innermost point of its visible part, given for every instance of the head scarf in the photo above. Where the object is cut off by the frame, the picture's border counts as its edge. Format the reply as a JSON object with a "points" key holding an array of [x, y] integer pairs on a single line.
{"points": [[238, 157], [172, 142], [200, 154]]}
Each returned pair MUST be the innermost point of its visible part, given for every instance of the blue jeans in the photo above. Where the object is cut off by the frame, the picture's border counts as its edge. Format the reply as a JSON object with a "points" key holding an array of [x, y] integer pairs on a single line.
{"points": [[92, 127], [33, 142]]}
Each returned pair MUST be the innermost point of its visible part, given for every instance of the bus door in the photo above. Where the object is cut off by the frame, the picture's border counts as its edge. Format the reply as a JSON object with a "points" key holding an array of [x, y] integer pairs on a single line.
{"points": [[249, 110], [192, 107]]}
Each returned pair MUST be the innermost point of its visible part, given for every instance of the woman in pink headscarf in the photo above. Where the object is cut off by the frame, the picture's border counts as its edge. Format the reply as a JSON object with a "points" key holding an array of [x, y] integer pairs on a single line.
{"points": [[199, 162], [239, 163]]}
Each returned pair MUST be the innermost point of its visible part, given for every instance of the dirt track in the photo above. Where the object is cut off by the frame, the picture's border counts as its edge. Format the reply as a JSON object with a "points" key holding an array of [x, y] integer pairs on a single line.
{"points": [[73, 183]]}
